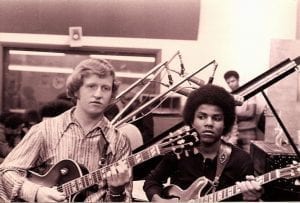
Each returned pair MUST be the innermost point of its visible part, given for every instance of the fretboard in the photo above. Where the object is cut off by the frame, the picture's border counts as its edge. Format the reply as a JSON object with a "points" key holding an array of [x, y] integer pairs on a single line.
{"points": [[85, 181], [234, 190]]}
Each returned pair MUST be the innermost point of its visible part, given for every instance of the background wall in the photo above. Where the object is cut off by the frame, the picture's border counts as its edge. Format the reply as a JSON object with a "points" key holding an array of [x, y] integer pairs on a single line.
{"points": [[235, 33], [162, 19]]}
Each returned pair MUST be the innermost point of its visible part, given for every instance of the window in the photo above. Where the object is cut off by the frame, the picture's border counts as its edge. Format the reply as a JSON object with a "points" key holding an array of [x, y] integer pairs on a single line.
{"points": [[33, 77]]}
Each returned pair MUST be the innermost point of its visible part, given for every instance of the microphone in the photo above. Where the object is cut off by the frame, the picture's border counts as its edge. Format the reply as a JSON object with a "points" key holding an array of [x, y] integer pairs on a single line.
{"points": [[183, 91], [197, 81], [211, 78], [181, 64], [169, 75]]}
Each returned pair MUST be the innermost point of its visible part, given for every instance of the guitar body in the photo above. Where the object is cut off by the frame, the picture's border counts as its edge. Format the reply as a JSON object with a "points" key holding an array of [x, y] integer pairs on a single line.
{"points": [[60, 173], [194, 191]]}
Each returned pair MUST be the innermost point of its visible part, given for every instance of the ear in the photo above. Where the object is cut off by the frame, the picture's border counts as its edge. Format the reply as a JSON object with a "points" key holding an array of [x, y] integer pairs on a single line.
{"points": [[76, 95]]}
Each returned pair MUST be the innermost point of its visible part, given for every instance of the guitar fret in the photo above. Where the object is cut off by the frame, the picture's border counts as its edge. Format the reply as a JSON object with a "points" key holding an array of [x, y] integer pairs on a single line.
{"points": [[82, 182], [72, 186], [98, 175], [131, 161], [273, 175], [76, 185], [205, 199], [236, 190], [94, 176], [146, 155], [223, 195], [219, 196], [230, 191], [104, 171], [67, 189], [211, 198], [87, 180], [138, 158]]}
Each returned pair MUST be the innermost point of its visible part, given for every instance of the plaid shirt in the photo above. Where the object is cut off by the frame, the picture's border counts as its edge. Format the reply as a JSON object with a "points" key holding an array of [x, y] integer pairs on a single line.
{"points": [[57, 139]]}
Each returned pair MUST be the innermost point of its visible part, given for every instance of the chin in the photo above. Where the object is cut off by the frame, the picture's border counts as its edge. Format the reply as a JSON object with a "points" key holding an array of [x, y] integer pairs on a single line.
{"points": [[96, 112], [208, 141]]}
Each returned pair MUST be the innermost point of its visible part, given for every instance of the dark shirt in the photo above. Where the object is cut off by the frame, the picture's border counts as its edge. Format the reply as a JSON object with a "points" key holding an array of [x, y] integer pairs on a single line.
{"points": [[186, 170]]}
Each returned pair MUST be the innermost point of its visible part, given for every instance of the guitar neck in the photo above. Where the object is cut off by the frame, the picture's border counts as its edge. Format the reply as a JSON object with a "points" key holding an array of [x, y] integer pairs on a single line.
{"points": [[85, 181], [234, 190]]}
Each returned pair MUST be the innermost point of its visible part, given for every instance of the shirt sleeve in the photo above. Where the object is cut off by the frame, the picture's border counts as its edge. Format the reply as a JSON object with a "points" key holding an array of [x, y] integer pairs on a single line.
{"points": [[154, 181], [13, 170], [122, 151]]}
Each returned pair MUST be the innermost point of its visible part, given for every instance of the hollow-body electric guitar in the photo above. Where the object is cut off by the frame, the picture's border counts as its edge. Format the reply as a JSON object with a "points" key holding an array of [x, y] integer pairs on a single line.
{"points": [[195, 190], [68, 176]]}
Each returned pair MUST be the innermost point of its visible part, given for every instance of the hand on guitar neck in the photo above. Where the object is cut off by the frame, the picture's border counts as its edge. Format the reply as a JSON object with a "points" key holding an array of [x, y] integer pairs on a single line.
{"points": [[251, 189]]}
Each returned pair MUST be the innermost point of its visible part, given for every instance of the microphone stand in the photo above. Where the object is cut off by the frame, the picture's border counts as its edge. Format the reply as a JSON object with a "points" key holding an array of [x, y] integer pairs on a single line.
{"points": [[281, 124], [267, 79], [150, 102], [211, 79]]}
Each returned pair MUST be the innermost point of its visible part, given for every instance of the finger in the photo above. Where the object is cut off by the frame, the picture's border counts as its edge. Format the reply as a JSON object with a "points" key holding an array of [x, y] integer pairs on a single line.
{"points": [[122, 167], [250, 177], [113, 170]]}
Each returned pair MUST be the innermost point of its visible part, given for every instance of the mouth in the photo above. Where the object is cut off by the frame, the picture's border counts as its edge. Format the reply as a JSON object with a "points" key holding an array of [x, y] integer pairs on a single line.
{"points": [[207, 133], [96, 103]]}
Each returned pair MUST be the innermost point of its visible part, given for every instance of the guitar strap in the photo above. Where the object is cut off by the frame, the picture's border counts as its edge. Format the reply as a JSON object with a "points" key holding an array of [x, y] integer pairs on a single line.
{"points": [[103, 145], [223, 158]]}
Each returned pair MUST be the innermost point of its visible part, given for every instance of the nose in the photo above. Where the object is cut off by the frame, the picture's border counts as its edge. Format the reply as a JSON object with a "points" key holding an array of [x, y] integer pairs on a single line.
{"points": [[98, 92], [209, 121]]}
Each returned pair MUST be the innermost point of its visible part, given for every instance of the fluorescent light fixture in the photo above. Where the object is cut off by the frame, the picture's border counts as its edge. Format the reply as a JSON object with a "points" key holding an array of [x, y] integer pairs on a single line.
{"points": [[35, 53], [46, 69], [51, 69], [129, 75], [125, 58]]}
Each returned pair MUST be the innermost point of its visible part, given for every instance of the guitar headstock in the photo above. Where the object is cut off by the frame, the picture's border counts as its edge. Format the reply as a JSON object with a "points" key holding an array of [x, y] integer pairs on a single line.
{"points": [[291, 171], [180, 141]]}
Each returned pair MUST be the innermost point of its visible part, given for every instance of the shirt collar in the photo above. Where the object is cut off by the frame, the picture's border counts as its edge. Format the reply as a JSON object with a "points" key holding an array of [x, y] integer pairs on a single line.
{"points": [[104, 125]]}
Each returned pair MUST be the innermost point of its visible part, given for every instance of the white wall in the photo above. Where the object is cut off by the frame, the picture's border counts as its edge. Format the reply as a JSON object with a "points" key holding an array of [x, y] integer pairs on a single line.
{"points": [[236, 33]]}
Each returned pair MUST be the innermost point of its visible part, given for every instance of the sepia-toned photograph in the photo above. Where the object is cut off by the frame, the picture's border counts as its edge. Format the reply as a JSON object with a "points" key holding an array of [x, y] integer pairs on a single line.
{"points": [[149, 101]]}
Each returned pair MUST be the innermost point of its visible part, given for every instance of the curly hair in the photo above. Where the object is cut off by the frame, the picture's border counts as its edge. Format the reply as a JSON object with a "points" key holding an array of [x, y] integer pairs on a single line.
{"points": [[214, 95], [88, 67]]}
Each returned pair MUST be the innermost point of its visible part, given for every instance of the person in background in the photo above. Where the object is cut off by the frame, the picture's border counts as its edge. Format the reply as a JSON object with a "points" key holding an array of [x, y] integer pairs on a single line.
{"points": [[210, 111], [246, 120], [31, 117], [54, 108], [4, 146], [14, 129], [82, 134]]}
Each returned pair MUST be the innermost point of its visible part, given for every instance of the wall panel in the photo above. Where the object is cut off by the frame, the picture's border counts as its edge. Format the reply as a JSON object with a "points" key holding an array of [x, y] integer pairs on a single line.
{"points": [[161, 19]]}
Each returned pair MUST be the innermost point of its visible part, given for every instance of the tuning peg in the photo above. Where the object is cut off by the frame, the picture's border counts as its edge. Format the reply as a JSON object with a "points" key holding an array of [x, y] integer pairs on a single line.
{"points": [[297, 182], [186, 153], [177, 155]]}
